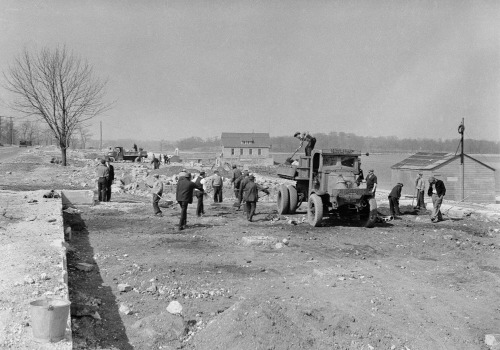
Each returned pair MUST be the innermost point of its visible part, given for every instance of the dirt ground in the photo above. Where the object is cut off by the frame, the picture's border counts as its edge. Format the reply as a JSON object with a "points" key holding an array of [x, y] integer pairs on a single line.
{"points": [[405, 284]]}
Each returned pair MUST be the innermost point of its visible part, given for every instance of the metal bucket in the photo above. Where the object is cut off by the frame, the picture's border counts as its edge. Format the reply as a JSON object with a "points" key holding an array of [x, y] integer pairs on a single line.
{"points": [[49, 318]]}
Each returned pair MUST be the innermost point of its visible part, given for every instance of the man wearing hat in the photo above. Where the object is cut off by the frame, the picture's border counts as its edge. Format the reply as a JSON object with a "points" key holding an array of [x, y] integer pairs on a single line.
{"points": [[102, 179], [184, 196], [251, 196], [420, 188], [394, 200], [436, 190], [157, 191], [305, 136], [371, 182], [111, 178], [236, 175], [200, 181], [242, 180]]}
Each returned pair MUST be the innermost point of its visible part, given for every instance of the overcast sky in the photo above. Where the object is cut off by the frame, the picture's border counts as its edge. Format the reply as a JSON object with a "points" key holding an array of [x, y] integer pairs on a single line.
{"points": [[198, 68]]}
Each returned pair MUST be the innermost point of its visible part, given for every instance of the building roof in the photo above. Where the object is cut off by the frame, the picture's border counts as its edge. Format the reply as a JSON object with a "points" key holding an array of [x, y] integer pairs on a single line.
{"points": [[430, 161], [245, 140]]}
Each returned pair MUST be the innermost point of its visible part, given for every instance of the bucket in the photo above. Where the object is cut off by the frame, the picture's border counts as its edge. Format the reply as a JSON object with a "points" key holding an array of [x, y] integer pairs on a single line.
{"points": [[49, 318]]}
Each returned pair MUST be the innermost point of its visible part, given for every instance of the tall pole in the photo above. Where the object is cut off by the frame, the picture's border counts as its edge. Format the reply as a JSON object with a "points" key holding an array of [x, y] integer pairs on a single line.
{"points": [[0, 129], [101, 134], [11, 131], [461, 130]]}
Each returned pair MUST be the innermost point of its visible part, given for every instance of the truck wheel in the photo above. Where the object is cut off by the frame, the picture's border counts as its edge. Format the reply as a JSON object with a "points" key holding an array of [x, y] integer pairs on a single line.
{"points": [[292, 192], [369, 214], [283, 200], [314, 210]]}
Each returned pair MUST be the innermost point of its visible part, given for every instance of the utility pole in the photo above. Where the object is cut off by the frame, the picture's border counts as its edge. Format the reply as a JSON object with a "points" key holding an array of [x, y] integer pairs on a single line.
{"points": [[101, 135], [11, 131], [0, 129], [461, 129]]}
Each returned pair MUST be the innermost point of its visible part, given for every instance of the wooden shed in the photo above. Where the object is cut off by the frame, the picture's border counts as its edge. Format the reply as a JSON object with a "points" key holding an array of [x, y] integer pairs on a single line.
{"points": [[477, 184]]}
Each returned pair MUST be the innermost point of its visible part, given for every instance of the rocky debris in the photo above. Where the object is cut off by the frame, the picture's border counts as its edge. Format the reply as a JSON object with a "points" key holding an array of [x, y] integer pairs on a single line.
{"points": [[125, 309], [174, 307], [123, 287], [31, 218], [258, 241], [85, 267], [492, 340]]}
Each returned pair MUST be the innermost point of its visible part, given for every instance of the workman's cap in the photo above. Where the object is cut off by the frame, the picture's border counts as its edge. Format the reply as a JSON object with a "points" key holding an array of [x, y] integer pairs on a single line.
{"points": [[296, 134], [400, 184], [182, 174], [103, 161], [370, 171]]}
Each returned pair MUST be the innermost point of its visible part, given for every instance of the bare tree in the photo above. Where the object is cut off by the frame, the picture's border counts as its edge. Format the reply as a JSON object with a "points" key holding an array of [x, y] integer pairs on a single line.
{"points": [[58, 87], [84, 134]]}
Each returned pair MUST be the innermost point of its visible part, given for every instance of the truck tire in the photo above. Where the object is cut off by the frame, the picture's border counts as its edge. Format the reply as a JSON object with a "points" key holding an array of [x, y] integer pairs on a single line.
{"points": [[314, 210], [294, 199], [369, 213], [283, 200]]}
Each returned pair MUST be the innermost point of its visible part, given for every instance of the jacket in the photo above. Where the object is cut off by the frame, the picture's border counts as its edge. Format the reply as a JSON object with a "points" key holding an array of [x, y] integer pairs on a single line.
{"points": [[440, 188], [251, 191], [102, 170], [157, 187], [396, 192], [111, 170], [185, 188], [244, 181], [216, 180], [236, 175], [420, 184]]}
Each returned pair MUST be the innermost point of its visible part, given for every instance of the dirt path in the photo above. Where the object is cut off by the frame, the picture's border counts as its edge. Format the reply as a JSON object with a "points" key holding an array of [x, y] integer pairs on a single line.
{"points": [[406, 284]]}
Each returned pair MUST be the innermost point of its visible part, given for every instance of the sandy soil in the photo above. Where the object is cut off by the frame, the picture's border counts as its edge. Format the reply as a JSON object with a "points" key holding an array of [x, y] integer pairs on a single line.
{"points": [[405, 284]]}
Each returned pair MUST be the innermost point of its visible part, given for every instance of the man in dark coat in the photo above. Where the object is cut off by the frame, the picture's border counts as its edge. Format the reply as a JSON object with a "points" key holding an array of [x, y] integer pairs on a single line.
{"points": [[251, 196], [242, 180], [102, 173], [236, 175], [394, 200], [436, 191], [111, 178], [184, 196], [311, 141], [155, 162], [200, 181]]}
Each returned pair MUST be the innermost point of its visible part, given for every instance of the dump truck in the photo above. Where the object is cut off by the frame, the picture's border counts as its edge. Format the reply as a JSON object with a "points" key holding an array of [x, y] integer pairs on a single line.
{"points": [[326, 181], [120, 154]]}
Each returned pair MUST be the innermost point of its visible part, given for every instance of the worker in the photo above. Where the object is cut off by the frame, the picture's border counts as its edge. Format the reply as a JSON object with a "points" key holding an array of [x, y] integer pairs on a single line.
{"points": [[102, 179], [135, 147], [251, 196], [360, 177], [241, 181], [200, 180], [420, 188], [371, 182], [436, 191], [157, 191], [236, 176], [217, 184], [394, 196], [156, 162], [311, 141], [111, 178], [184, 196]]}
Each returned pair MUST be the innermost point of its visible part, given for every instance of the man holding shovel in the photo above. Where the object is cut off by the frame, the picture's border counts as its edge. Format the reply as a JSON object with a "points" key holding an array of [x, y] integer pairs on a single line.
{"points": [[420, 188], [157, 190]]}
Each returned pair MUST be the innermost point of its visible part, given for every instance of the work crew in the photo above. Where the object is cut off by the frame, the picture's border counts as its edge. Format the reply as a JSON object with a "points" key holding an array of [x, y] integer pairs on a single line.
{"points": [[157, 191], [436, 191], [241, 181], [184, 196], [111, 178], [394, 196], [235, 177], [311, 141], [371, 182], [102, 179], [420, 188], [217, 183], [200, 181], [251, 196]]}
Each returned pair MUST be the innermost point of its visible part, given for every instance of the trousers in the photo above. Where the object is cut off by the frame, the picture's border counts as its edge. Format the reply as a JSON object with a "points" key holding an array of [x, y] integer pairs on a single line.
{"points": [[102, 184]]}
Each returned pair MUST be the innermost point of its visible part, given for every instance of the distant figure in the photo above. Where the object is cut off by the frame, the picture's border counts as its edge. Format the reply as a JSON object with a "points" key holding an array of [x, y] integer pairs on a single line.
{"points": [[200, 181], [360, 177], [111, 178], [157, 191], [371, 182], [236, 176], [184, 196], [176, 152], [102, 179], [420, 188], [251, 196], [243, 180], [135, 147], [436, 190], [155, 162], [311, 141], [217, 183], [394, 200]]}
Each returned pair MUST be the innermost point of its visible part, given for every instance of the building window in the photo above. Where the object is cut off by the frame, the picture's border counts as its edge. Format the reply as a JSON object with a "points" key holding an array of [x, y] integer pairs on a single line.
{"points": [[247, 142], [250, 151], [232, 151], [259, 152], [241, 151]]}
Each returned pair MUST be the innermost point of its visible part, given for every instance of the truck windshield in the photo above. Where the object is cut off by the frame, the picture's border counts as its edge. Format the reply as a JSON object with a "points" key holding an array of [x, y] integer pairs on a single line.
{"points": [[348, 161]]}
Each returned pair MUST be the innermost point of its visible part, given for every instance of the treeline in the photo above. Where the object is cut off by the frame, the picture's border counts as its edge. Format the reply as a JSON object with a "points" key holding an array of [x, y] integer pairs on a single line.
{"points": [[330, 140]]}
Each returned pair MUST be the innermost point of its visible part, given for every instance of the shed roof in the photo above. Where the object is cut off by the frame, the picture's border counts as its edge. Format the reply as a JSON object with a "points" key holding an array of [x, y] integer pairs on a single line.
{"points": [[245, 140], [430, 161]]}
